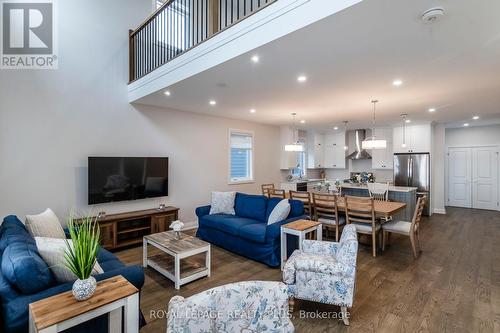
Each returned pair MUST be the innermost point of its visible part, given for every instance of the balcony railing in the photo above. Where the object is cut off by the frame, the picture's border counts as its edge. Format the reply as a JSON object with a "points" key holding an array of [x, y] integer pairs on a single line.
{"points": [[179, 25]]}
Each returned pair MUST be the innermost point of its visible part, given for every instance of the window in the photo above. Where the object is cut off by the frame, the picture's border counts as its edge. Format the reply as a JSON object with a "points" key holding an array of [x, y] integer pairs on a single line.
{"points": [[300, 169], [240, 156]]}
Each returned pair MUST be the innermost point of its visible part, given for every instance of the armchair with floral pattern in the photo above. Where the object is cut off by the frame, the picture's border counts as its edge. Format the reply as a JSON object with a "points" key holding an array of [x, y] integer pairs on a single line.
{"points": [[250, 306], [324, 272]]}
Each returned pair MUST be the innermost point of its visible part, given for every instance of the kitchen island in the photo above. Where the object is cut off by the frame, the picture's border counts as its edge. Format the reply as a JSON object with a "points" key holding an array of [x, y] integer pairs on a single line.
{"points": [[404, 194]]}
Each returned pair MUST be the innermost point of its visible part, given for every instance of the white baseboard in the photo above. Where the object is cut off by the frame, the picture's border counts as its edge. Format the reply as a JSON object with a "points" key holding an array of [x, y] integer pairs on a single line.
{"points": [[190, 225], [440, 211]]}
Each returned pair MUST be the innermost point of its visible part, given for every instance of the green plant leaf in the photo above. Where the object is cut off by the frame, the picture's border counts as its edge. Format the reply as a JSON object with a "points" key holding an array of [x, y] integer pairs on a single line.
{"points": [[81, 256]]}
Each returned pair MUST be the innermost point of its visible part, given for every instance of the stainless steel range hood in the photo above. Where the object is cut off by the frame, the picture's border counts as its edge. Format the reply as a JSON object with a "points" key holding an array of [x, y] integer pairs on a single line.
{"points": [[359, 153]]}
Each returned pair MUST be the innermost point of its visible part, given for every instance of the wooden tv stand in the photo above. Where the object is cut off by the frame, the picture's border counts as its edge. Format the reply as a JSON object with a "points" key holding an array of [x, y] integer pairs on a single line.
{"points": [[126, 229]]}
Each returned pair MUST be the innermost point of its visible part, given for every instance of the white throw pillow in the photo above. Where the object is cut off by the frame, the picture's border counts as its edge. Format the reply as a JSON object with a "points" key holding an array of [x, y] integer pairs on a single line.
{"points": [[280, 212], [45, 224], [52, 251], [223, 203]]}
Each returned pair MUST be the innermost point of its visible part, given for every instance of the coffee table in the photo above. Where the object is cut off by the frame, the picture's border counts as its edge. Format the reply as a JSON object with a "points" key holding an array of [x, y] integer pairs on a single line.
{"points": [[168, 261], [298, 228]]}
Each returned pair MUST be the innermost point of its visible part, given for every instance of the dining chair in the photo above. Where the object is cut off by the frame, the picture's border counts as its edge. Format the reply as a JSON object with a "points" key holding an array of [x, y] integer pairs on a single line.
{"points": [[305, 197], [274, 193], [379, 191], [326, 211], [265, 188], [360, 211], [411, 229]]}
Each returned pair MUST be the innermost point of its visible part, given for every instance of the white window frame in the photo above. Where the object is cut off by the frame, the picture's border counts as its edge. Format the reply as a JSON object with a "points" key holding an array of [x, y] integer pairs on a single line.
{"points": [[251, 179]]}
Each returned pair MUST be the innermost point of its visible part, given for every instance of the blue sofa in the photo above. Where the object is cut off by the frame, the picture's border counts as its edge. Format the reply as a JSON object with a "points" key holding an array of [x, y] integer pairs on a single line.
{"points": [[247, 232], [26, 278]]}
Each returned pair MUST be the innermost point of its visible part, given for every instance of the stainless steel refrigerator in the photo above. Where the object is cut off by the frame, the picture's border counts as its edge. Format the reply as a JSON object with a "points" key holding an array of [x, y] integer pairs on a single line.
{"points": [[414, 170]]}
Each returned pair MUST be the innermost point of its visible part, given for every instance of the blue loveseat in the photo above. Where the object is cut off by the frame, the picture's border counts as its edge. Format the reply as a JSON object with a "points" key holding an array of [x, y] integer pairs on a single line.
{"points": [[25, 278], [247, 232]]}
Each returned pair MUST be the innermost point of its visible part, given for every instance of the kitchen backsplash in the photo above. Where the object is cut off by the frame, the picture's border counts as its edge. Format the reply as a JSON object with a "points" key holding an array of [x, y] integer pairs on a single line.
{"points": [[381, 176]]}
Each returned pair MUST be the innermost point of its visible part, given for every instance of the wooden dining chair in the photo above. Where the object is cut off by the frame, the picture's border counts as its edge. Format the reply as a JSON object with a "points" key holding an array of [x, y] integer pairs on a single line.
{"points": [[305, 197], [274, 193], [379, 191], [326, 211], [360, 211], [265, 188], [411, 229]]}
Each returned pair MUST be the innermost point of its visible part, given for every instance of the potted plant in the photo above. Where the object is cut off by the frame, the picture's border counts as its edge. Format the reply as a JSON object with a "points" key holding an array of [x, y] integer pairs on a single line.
{"points": [[81, 254]]}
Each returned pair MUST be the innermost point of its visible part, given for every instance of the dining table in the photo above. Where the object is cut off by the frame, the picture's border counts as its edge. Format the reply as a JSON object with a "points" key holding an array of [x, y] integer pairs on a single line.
{"points": [[382, 208]]}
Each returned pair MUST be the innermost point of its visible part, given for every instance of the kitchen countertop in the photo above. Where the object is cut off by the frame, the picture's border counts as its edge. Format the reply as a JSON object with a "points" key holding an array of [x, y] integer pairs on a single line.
{"points": [[391, 187], [295, 181]]}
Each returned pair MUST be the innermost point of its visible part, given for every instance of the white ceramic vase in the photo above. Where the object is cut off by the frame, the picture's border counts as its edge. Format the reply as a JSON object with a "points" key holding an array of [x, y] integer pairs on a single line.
{"points": [[84, 289]]}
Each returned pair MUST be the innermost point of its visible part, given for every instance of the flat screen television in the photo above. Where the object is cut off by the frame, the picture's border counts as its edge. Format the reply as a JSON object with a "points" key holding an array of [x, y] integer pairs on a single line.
{"points": [[112, 179]]}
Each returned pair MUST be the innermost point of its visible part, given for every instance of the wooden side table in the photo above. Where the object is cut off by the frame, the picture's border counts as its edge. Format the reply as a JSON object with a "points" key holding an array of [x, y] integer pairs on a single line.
{"points": [[298, 228], [60, 312]]}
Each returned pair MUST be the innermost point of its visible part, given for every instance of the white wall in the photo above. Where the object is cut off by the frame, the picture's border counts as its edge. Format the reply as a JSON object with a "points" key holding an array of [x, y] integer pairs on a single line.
{"points": [[438, 169], [470, 136], [50, 121]]}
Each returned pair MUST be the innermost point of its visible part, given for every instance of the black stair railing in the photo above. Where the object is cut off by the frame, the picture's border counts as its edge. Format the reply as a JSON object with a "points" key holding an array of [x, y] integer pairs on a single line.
{"points": [[179, 25]]}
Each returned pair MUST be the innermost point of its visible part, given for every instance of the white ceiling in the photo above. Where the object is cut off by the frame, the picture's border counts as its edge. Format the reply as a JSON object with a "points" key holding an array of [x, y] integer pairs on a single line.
{"points": [[351, 58]]}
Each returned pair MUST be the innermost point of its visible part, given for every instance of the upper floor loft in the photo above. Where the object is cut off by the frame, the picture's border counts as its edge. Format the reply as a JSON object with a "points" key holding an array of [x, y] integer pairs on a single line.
{"points": [[185, 37]]}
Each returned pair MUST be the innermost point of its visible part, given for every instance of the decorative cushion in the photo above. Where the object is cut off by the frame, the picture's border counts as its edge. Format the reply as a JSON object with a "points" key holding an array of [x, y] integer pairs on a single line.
{"points": [[52, 251], [251, 206], [45, 224], [401, 227], [11, 231], [222, 203], [12, 220], [23, 267], [365, 227], [296, 207], [332, 220], [280, 212]]}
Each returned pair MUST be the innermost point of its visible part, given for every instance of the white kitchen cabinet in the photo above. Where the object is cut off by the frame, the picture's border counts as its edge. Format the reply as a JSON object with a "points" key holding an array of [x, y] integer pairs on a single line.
{"points": [[288, 159], [315, 150], [334, 152], [383, 158], [418, 139]]}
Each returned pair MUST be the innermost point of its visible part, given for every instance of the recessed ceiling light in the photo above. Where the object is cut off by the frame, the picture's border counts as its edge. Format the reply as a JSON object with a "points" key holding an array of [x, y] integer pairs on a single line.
{"points": [[335, 128], [407, 121], [466, 125], [302, 78], [302, 121], [253, 110], [255, 58], [397, 83], [475, 117], [167, 92], [212, 102], [432, 109]]}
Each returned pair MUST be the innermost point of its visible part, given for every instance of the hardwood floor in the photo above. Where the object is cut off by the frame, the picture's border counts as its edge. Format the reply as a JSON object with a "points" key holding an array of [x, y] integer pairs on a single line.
{"points": [[454, 286]]}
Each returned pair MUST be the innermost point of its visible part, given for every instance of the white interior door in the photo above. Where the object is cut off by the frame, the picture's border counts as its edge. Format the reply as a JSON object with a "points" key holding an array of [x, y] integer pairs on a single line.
{"points": [[460, 175], [485, 178]]}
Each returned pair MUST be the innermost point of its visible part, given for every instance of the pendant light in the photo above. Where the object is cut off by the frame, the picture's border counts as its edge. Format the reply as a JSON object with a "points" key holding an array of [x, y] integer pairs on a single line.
{"points": [[403, 117], [372, 142], [295, 146]]}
